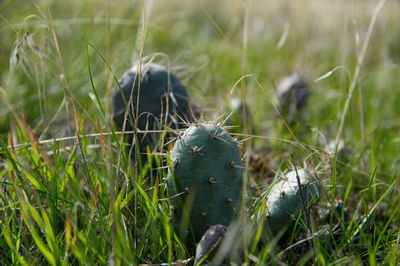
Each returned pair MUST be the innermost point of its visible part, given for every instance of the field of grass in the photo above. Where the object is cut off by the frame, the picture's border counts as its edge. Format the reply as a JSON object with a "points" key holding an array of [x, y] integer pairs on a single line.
{"points": [[70, 194]]}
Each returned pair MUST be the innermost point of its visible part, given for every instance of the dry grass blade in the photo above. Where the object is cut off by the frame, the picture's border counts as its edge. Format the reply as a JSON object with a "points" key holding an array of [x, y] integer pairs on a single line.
{"points": [[358, 67]]}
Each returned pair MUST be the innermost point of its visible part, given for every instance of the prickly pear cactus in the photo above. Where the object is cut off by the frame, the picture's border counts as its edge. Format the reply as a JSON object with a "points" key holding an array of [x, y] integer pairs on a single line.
{"points": [[162, 97], [205, 180], [209, 243], [284, 202], [293, 92]]}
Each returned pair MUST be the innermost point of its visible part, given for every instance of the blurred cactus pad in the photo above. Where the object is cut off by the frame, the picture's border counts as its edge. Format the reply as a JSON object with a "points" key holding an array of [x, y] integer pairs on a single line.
{"points": [[158, 97], [205, 180], [209, 244]]}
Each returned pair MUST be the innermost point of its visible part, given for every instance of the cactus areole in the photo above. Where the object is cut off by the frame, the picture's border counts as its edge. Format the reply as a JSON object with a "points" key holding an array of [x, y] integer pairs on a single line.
{"points": [[158, 96], [205, 179]]}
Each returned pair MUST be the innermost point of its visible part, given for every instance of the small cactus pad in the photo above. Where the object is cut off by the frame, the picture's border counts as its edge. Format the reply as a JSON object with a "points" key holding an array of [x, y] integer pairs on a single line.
{"points": [[209, 243], [284, 201], [159, 89], [206, 173], [293, 92]]}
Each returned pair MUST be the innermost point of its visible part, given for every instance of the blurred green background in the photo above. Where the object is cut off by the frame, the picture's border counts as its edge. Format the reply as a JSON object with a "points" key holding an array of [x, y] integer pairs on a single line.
{"points": [[211, 44]]}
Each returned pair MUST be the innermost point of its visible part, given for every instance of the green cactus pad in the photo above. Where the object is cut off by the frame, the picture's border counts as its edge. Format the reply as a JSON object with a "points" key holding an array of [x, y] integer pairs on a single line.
{"points": [[159, 89], [284, 202], [206, 174]]}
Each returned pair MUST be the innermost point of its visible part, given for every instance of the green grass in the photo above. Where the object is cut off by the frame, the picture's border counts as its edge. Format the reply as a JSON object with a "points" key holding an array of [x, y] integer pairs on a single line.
{"points": [[69, 192]]}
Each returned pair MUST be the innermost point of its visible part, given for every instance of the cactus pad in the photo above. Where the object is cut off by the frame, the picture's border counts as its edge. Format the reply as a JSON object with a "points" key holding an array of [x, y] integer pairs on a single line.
{"points": [[161, 97], [210, 243], [205, 180], [284, 201], [293, 92]]}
